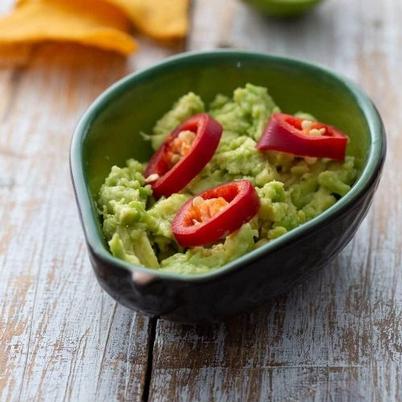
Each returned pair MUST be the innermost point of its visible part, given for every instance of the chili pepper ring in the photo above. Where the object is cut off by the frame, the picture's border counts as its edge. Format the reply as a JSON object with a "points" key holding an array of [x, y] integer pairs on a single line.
{"points": [[178, 160], [287, 133], [241, 204]]}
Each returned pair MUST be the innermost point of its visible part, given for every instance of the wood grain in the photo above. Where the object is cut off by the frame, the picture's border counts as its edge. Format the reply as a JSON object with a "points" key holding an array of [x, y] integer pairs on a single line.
{"points": [[61, 336], [339, 337], [336, 338]]}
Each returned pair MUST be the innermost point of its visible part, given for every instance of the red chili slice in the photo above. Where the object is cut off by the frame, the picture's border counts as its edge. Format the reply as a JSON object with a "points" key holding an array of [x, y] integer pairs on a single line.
{"points": [[215, 213], [183, 155], [285, 133]]}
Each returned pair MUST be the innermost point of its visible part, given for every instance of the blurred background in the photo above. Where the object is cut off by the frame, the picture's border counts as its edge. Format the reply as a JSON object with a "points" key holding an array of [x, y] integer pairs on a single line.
{"points": [[337, 337]]}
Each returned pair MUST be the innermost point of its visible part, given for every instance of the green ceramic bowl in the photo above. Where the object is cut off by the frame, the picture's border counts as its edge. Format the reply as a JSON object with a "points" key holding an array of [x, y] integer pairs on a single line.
{"points": [[283, 8], [109, 133]]}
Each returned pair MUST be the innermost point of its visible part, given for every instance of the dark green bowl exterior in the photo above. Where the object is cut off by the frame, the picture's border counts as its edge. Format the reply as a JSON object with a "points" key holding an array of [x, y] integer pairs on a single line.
{"points": [[109, 133]]}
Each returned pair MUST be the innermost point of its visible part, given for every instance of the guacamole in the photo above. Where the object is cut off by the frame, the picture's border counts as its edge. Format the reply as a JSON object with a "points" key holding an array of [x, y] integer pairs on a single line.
{"points": [[292, 190]]}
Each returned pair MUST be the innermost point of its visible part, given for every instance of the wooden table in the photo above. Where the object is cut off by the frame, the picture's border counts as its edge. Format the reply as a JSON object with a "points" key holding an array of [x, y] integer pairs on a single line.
{"points": [[336, 338]]}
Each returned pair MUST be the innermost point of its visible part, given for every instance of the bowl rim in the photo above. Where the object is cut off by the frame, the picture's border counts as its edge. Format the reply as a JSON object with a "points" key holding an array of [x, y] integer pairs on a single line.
{"points": [[83, 196]]}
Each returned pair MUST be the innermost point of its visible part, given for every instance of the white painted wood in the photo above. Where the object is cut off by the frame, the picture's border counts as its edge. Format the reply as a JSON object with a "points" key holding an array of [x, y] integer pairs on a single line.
{"points": [[6, 5], [337, 337], [61, 336]]}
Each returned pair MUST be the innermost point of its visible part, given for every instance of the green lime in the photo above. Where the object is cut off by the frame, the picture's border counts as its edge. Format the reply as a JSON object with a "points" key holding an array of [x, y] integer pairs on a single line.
{"points": [[283, 8]]}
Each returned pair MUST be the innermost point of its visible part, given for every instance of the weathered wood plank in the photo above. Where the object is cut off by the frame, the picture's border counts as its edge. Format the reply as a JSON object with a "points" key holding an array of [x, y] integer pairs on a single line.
{"points": [[61, 336], [338, 337], [6, 5]]}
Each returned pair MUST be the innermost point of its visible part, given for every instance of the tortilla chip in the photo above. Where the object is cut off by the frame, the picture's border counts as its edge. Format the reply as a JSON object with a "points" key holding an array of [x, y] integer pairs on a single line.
{"points": [[160, 19], [14, 55], [89, 22]]}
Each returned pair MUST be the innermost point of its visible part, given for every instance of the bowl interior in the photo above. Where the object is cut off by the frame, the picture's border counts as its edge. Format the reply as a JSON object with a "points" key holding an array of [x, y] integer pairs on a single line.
{"points": [[110, 132]]}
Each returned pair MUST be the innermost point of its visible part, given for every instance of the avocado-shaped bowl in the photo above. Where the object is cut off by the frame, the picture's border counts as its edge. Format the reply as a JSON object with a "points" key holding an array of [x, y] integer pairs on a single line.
{"points": [[109, 133]]}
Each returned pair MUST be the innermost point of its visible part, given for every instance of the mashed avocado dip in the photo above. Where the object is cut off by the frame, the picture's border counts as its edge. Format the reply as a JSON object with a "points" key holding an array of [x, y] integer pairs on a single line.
{"points": [[292, 190]]}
